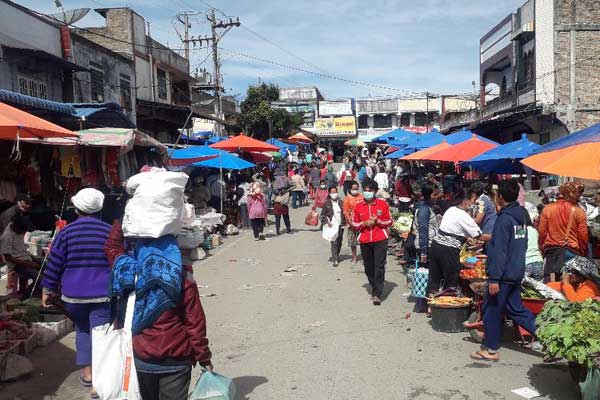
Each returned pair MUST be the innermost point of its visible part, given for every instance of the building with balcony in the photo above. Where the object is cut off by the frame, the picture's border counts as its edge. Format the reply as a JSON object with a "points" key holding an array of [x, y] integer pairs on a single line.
{"points": [[539, 73], [304, 100], [161, 78]]}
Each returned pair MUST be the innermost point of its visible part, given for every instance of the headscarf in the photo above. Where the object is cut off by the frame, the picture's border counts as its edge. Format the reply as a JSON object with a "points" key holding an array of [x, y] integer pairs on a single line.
{"points": [[255, 189], [570, 192], [88, 201], [584, 267]]}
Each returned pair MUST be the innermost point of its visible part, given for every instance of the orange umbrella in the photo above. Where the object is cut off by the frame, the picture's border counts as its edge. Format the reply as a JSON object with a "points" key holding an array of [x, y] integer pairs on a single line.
{"points": [[462, 152], [15, 123], [243, 143], [423, 154], [300, 137], [578, 161]]}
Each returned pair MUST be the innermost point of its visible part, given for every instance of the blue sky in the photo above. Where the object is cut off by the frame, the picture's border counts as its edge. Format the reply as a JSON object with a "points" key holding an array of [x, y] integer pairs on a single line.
{"points": [[411, 46]]}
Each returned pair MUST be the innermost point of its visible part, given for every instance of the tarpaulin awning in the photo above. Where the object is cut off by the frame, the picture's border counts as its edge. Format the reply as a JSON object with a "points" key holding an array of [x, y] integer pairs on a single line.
{"points": [[106, 137], [399, 153], [243, 143], [504, 159], [579, 161], [284, 147], [397, 135], [15, 98], [258, 158], [425, 141], [462, 151], [103, 114], [354, 143], [369, 138], [216, 139], [17, 124], [423, 154]]}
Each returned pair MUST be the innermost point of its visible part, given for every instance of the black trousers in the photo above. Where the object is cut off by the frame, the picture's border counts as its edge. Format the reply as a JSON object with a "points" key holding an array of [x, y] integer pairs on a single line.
{"points": [[258, 225], [286, 221], [174, 386], [336, 245], [444, 267], [374, 256], [347, 186]]}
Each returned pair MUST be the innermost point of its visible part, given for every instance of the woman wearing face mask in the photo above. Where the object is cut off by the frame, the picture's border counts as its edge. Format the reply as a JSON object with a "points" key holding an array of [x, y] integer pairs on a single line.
{"points": [[372, 219], [444, 254], [333, 216], [321, 195], [350, 202]]}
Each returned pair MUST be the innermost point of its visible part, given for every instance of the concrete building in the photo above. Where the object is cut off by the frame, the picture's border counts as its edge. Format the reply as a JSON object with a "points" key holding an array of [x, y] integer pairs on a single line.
{"points": [[304, 100], [380, 115], [541, 66], [161, 78]]}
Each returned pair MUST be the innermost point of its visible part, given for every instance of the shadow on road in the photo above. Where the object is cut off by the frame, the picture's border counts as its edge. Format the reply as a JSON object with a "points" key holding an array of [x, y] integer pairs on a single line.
{"points": [[246, 384], [52, 367], [553, 381], [388, 288]]}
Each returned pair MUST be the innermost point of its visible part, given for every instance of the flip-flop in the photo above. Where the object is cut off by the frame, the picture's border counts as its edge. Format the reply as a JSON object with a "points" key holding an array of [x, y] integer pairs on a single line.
{"points": [[480, 357], [84, 383], [94, 396]]}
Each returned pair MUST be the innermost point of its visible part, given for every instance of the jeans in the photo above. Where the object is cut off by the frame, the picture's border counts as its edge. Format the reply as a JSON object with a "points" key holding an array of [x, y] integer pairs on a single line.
{"points": [[86, 316], [297, 197], [244, 219], [535, 270], [506, 301], [336, 245], [173, 386], [258, 225], [374, 256], [286, 221]]}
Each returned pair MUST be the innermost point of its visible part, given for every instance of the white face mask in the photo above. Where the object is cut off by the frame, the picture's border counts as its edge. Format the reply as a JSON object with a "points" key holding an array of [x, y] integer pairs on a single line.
{"points": [[333, 196], [354, 192]]}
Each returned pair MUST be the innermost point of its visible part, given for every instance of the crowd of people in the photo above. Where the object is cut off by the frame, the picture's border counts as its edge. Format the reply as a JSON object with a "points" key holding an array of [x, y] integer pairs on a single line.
{"points": [[549, 243]]}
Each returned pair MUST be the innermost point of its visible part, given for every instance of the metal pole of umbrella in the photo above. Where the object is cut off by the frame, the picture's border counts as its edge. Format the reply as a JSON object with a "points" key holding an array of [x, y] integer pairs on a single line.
{"points": [[221, 178]]}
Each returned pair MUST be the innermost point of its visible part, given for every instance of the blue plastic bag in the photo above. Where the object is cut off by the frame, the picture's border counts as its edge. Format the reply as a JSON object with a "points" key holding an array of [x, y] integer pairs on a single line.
{"points": [[213, 386]]}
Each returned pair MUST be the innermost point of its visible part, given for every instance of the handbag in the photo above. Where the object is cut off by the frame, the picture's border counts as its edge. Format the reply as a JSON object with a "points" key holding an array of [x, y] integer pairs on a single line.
{"points": [[420, 279], [312, 218], [115, 377], [555, 256]]}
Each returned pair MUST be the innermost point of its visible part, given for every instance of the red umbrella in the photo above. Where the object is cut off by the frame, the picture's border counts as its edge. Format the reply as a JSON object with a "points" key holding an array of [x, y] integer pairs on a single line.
{"points": [[461, 152], [258, 158], [300, 137], [15, 123], [243, 143]]}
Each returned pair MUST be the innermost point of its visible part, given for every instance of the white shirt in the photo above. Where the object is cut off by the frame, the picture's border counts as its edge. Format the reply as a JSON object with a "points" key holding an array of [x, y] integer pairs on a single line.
{"points": [[382, 180], [458, 222]]}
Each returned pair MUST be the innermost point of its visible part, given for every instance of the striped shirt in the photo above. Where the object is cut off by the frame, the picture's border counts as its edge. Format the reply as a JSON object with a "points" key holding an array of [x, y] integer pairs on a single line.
{"points": [[77, 263]]}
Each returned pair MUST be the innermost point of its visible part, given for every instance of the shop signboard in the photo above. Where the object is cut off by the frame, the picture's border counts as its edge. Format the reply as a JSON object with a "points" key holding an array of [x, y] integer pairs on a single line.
{"points": [[341, 126], [335, 108]]}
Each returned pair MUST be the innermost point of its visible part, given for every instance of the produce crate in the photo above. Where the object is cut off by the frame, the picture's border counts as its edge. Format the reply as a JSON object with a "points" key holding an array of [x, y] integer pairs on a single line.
{"points": [[52, 328]]}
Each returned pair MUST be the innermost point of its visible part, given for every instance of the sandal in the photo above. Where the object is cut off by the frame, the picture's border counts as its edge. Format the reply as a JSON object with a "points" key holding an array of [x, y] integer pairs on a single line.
{"points": [[376, 301], [479, 356], [85, 383]]}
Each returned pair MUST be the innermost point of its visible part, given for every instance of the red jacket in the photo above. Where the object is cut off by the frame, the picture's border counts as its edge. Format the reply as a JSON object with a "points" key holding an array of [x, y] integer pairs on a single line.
{"points": [[363, 212], [178, 334]]}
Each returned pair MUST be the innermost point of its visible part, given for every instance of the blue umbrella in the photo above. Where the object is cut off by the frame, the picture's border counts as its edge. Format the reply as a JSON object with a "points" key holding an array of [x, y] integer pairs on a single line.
{"points": [[284, 147], [587, 135], [216, 139], [397, 135], [420, 142], [400, 153], [222, 160], [503, 159], [463, 136]]}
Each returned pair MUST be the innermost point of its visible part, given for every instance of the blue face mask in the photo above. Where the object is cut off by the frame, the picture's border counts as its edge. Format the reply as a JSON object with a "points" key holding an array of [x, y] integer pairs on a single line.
{"points": [[368, 195]]}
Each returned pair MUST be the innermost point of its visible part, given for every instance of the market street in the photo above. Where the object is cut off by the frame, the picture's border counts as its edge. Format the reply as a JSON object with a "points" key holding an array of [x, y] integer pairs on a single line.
{"points": [[312, 333]]}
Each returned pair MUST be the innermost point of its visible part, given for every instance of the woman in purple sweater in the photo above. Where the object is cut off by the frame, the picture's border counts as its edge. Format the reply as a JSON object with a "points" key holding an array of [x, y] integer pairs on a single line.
{"points": [[78, 269]]}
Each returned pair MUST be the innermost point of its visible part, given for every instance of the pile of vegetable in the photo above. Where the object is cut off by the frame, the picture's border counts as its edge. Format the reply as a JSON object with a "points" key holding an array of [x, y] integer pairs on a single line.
{"points": [[531, 293], [27, 310], [571, 330], [13, 331], [403, 222]]}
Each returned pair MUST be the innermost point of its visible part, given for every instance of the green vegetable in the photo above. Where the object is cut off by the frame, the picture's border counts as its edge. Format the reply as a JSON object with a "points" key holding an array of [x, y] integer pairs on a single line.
{"points": [[571, 330], [531, 293]]}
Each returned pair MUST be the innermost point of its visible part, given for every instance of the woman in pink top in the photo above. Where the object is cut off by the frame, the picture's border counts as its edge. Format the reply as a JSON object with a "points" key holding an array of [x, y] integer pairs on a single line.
{"points": [[257, 210]]}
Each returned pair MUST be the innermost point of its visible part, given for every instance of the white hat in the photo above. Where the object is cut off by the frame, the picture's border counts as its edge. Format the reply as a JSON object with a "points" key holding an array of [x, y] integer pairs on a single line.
{"points": [[88, 201]]}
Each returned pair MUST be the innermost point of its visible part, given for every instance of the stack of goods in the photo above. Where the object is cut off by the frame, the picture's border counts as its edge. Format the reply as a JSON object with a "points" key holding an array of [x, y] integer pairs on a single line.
{"points": [[403, 222], [450, 301], [38, 242], [540, 290]]}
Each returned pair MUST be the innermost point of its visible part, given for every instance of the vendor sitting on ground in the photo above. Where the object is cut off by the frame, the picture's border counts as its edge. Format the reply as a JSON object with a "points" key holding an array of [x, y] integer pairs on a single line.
{"points": [[580, 281]]}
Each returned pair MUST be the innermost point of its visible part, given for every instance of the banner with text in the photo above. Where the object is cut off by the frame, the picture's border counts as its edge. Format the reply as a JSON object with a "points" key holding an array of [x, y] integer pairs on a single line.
{"points": [[341, 126]]}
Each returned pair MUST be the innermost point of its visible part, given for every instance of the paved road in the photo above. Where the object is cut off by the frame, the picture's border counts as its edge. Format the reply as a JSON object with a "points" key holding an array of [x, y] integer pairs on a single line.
{"points": [[313, 334]]}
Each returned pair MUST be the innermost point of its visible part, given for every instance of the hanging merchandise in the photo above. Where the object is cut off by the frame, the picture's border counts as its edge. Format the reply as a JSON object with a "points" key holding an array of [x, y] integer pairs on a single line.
{"points": [[112, 167], [70, 163], [90, 160], [31, 173]]}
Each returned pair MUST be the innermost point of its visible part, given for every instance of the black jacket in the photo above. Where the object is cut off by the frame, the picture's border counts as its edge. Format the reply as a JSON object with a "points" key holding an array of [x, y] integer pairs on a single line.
{"points": [[327, 211]]}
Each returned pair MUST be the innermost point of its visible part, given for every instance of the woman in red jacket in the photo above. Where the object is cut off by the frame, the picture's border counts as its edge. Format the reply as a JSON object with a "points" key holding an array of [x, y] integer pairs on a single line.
{"points": [[372, 219]]}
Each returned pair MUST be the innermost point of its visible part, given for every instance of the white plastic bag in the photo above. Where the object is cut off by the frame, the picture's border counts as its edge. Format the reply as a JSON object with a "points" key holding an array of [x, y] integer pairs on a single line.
{"points": [[188, 216], [330, 233], [212, 386], [190, 238], [156, 207], [115, 377]]}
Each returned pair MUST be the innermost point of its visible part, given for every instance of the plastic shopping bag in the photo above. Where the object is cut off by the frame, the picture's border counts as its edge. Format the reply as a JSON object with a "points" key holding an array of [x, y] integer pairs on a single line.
{"points": [[312, 218], [115, 377], [420, 279], [330, 233], [213, 386]]}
